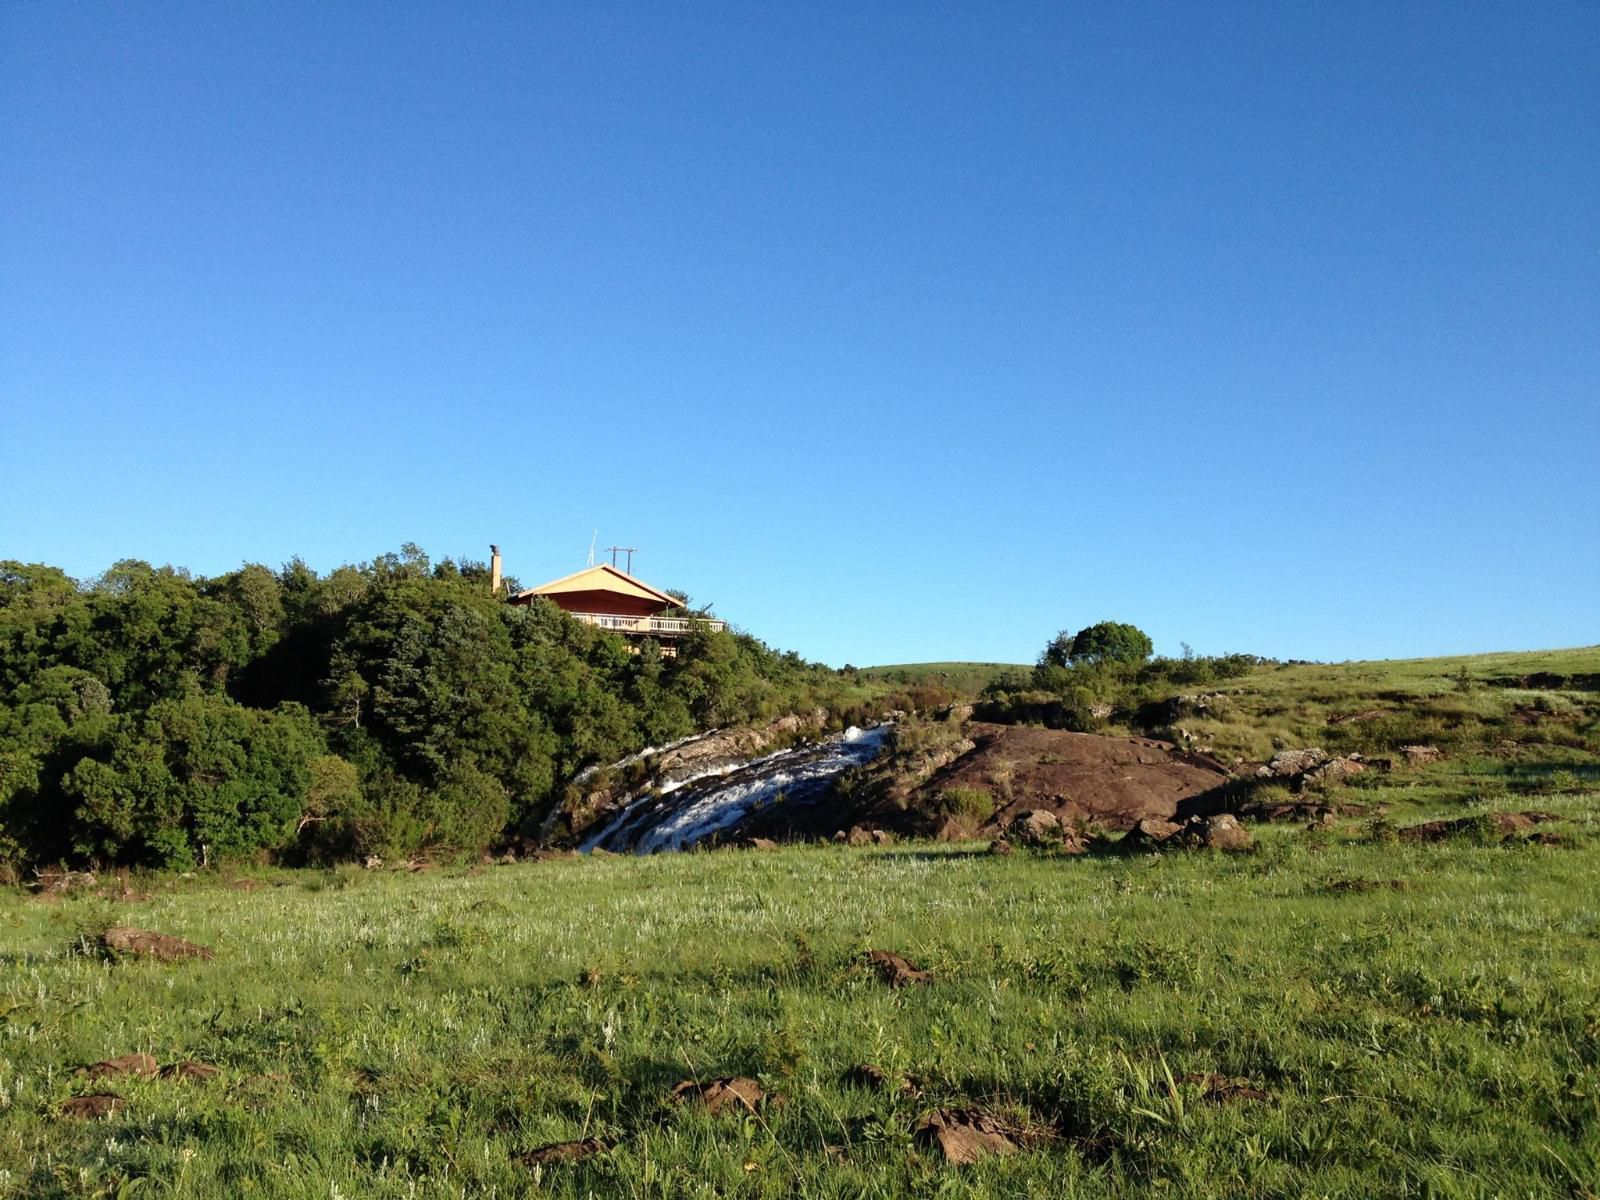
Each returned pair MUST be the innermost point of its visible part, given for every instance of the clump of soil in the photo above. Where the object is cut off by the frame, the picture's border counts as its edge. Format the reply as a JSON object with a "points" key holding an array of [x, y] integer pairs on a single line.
{"points": [[143, 943], [563, 1152], [189, 1069], [896, 971], [876, 1079], [93, 1107], [123, 1064], [1219, 1089], [717, 1096], [969, 1135]]}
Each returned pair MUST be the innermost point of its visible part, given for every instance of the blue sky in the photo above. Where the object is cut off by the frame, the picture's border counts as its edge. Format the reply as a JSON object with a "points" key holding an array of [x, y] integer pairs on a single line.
{"points": [[899, 332]]}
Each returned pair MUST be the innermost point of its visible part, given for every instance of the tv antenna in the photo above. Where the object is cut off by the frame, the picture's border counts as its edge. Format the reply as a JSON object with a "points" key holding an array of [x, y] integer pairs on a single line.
{"points": [[628, 550], [592, 538]]}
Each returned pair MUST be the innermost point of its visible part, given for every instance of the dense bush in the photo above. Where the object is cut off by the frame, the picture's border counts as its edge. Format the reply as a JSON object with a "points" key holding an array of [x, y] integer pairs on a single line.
{"points": [[1101, 672], [151, 717]]}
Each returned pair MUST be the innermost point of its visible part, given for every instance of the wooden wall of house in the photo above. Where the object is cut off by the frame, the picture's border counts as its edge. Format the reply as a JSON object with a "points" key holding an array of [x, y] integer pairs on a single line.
{"points": [[608, 603]]}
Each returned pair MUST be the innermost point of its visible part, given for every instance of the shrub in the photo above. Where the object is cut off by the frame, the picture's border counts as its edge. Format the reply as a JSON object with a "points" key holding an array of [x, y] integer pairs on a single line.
{"points": [[972, 804]]}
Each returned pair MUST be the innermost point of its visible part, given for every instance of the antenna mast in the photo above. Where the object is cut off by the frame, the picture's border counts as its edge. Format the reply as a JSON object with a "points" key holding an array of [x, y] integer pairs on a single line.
{"points": [[628, 550], [592, 538]]}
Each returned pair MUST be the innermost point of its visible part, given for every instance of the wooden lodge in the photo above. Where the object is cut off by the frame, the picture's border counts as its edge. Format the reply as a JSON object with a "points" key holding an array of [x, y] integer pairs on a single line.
{"points": [[614, 600]]}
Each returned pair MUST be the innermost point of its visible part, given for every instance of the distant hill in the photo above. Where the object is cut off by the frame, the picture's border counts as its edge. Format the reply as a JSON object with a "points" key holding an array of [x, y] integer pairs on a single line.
{"points": [[967, 678]]}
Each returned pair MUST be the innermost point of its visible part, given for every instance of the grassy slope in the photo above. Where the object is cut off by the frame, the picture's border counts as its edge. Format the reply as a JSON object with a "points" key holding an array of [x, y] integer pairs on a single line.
{"points": [[385, 1034], [965, 678]]}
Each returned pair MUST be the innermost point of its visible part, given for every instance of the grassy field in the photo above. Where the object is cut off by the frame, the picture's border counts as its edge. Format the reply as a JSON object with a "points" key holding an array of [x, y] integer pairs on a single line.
{"points": [[964, 678], [1424, 1021]]}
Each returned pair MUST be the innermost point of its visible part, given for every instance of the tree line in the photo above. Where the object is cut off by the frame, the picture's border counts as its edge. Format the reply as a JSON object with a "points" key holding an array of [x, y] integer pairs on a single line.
{"points": [[151, 717]]}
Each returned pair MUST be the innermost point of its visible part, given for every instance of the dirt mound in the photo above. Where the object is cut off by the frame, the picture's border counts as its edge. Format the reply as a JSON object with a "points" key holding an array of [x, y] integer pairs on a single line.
{"points": [[1112, 781], [734, 1093], [143, 943]]}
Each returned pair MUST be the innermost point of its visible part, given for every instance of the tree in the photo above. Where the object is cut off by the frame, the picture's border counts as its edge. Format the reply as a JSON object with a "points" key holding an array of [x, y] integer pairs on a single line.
{"points": [[1103, 644], [1111, 642]]}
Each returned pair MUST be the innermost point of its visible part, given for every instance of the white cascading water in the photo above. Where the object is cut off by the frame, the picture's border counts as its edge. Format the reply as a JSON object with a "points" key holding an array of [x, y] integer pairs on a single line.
{"points": [[690, 810]]}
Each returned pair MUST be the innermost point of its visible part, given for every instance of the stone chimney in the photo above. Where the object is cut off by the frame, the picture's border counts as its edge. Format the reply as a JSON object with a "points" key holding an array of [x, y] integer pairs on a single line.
{"points": [[494, 570]]}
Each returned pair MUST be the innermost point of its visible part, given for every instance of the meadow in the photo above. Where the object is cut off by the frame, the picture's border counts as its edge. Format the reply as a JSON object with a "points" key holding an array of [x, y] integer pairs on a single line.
{"points": [[1408, 1019]]}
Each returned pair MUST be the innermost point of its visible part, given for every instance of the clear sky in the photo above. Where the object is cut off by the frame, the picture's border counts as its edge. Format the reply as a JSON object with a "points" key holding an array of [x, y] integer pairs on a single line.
{"points": [[897, 331]]}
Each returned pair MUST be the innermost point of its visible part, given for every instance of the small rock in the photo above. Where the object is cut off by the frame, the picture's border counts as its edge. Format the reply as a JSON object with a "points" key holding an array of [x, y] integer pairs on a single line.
{"points": [[720, 1095], [760, 843], [90, 1108], [896, 971], [964, 1135], [1417, 756], [123, 1064], [1000, 846], [142, 943]]}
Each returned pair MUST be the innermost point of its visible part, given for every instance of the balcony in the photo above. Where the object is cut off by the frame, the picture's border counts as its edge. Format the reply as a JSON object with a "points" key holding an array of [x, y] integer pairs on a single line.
{"points": [[650, 626]]}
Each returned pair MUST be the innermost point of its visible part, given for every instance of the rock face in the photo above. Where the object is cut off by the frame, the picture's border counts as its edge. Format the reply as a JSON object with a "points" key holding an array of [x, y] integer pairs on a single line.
{"points": [[1079, 778], [1418, 756]]}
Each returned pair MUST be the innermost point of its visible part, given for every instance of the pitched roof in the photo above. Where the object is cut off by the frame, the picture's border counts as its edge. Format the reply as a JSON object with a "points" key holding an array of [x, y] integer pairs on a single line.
{"points": [[603, 578]]}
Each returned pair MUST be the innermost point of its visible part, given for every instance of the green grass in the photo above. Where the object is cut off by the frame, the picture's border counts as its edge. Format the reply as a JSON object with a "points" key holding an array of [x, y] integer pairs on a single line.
{"points": [[965, 678], [384, 1034]]}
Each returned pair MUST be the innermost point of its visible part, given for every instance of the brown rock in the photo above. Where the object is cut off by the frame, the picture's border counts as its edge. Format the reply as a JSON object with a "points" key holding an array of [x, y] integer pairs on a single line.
{"points": [[896, 971], [1000, 846], [721, 1095], [1038, 827], [760, 843], [1417, 756], [563, 1152], [1221, 832], [123, 1064], [1149, 834], [952, 830], [189, 1069], [90, 1108], [1334, 770], [1498, 824], [1286, 764], [964, 1135], [142, 943]]}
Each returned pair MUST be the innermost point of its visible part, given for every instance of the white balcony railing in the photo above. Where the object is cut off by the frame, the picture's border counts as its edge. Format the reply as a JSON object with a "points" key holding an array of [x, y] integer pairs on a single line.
{"points": [[645, 626]]}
